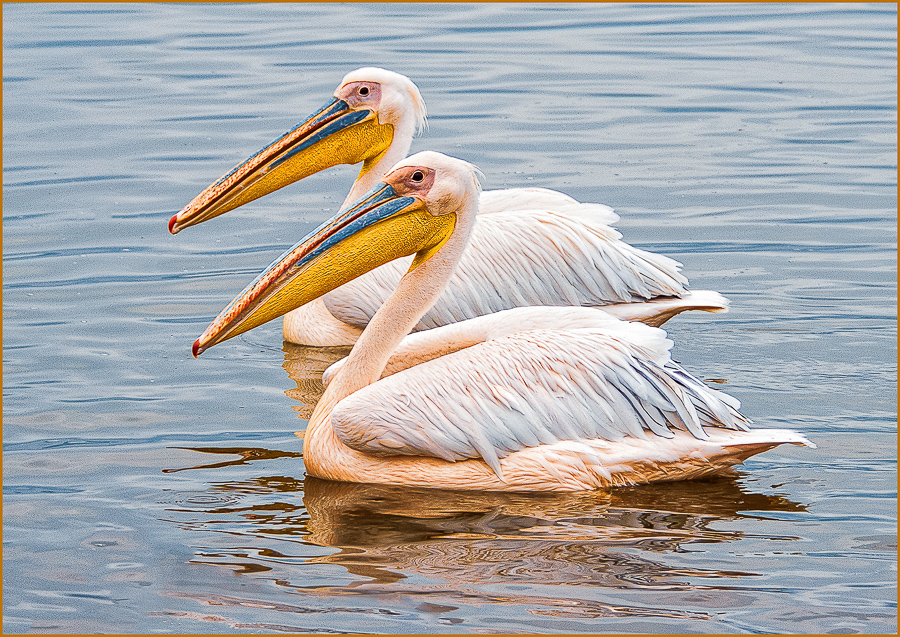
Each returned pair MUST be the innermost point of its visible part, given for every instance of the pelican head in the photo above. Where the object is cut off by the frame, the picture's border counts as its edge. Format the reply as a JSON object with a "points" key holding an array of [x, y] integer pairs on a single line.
{"points": [[423, 201], [372, 111]]}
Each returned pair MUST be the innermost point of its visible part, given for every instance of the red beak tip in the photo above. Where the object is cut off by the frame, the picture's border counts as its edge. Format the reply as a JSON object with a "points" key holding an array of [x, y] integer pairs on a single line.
{"points": [[172, 224], [195, 349]]}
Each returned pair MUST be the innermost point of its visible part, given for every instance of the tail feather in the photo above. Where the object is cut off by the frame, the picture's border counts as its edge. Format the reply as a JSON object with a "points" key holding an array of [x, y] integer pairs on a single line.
{"points": [[658, 311]]}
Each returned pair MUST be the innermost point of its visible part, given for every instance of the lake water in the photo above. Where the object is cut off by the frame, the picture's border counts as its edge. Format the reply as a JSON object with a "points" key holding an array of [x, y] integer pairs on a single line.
{"points": [[145, 491]]}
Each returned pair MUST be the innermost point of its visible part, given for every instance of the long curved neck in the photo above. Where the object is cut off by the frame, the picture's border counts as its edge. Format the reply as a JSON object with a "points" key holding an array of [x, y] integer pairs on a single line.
{"points": [[415, 294], [374, 169]]}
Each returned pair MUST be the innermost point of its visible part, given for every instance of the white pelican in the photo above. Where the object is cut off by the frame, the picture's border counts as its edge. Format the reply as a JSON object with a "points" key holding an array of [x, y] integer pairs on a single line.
{"points": [[537, 247], [532, 399]]}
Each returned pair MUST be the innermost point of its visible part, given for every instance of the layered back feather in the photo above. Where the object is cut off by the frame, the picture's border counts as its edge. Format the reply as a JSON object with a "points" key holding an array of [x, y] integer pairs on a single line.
{"points": [[536, 387], [524, 258]]}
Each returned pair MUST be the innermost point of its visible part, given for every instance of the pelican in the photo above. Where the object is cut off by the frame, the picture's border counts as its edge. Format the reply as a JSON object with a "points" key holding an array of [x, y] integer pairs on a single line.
{"points": [[533, 246], [530, 399]]}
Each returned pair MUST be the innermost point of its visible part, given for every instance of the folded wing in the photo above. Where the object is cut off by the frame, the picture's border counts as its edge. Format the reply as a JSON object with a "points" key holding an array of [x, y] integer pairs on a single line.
{"points": [[537, 387]]}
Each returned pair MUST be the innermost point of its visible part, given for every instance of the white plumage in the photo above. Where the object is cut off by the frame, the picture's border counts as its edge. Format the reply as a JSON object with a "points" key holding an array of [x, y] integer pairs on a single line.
{"points": [[532, 388], [509, 199]]}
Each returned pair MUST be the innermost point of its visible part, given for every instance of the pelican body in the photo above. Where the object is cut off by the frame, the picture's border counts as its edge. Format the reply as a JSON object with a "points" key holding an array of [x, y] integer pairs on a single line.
{"points": [[533, 246], [530, 399]]}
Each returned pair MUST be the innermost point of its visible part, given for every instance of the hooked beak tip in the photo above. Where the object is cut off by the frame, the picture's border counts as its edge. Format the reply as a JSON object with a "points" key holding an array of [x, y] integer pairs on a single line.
{"points": [[172, 223], [195, 349]]}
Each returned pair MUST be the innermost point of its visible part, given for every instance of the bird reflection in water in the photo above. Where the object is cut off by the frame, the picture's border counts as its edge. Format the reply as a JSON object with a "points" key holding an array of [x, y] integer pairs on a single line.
{"points": [[548, 539], [305, 365], [468, 543]]}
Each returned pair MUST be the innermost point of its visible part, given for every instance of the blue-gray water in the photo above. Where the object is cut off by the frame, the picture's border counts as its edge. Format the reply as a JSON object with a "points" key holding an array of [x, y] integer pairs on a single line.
{"points": [[145, 491]]}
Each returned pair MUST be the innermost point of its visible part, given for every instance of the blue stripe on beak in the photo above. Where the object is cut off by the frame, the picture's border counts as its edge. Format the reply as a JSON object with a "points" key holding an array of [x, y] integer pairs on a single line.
{"points": [[345, 121]]}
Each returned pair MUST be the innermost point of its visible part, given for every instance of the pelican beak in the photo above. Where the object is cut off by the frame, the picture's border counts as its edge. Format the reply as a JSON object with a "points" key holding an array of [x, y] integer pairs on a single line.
{"points": [[382, 226], [335, 134]]}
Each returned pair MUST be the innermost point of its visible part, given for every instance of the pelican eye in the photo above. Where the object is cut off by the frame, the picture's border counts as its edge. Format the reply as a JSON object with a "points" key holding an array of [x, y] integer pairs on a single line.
{"points": [[363, 90], [417, 177]]}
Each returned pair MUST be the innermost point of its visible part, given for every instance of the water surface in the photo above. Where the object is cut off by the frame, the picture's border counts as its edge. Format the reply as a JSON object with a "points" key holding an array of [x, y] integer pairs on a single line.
{"points": [[148, 492]]}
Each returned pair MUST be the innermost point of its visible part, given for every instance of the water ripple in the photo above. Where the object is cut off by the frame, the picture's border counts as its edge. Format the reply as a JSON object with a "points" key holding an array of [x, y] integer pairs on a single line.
{"points": [[182, 437], [68, 180]]}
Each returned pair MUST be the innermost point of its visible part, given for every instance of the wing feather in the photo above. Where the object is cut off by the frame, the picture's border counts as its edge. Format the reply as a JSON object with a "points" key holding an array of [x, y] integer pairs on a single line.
{"points": [[537, 387]]}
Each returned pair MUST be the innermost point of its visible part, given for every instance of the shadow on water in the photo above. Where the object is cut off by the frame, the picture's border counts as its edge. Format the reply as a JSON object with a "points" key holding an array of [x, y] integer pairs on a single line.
{"points": [[460, 541]]}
